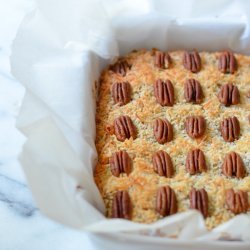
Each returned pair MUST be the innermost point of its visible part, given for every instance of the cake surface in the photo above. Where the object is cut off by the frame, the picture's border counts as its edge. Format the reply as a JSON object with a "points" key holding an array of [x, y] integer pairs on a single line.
{"points": [[141, 103]]}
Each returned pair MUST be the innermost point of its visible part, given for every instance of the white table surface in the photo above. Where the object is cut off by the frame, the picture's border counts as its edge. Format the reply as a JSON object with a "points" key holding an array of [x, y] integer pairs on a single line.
{"points": [[22, 226]]}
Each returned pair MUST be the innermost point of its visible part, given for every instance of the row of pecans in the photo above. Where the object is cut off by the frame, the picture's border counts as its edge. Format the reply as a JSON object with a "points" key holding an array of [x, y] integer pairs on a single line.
{"points": [[227, 62], [167, 204], [123, 128], [233, 165], [164, 93], [195, 126]]}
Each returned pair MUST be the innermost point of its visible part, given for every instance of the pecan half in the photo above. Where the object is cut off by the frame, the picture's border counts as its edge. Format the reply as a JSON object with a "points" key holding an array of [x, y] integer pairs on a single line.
{"points": [[166, 202], [124, 128], [230, 129], [195, 126], [121, 92], [163, 131], [192, 61], [120, 162], [233, 166], [199, 201], [121, 67], [195, 162], [163, 164], [121, 205], [229, 95], [227, 62], [162, 60], [193, 91], [237, 201], [164, 92]]}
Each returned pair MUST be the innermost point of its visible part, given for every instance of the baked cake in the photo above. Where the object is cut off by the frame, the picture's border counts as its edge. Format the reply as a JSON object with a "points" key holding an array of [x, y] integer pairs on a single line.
{"points": [[173, 134]]}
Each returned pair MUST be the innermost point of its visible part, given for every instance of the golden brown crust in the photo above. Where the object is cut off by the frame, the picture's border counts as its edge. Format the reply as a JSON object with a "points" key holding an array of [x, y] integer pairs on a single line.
{"points": [[142, 183]]}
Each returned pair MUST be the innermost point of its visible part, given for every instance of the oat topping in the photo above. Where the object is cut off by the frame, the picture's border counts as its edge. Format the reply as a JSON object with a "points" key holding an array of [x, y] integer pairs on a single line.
{"points": [[170, 138]]}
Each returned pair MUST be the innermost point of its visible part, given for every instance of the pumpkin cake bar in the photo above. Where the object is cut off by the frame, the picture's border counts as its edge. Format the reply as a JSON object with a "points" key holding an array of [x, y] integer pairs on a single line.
{"points": [[173, 134]]}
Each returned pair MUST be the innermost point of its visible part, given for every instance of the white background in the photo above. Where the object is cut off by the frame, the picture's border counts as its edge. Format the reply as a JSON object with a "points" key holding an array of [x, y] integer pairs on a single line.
{"points": [[22, 226]]}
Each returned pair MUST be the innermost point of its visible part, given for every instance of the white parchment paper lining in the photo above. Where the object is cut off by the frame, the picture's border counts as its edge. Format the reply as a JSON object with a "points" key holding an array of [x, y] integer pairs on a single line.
{"points": [[58, 54]]}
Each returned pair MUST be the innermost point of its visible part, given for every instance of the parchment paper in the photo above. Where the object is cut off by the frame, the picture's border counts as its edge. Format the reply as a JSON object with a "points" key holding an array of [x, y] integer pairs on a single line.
{"points": [[58, 54]]}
